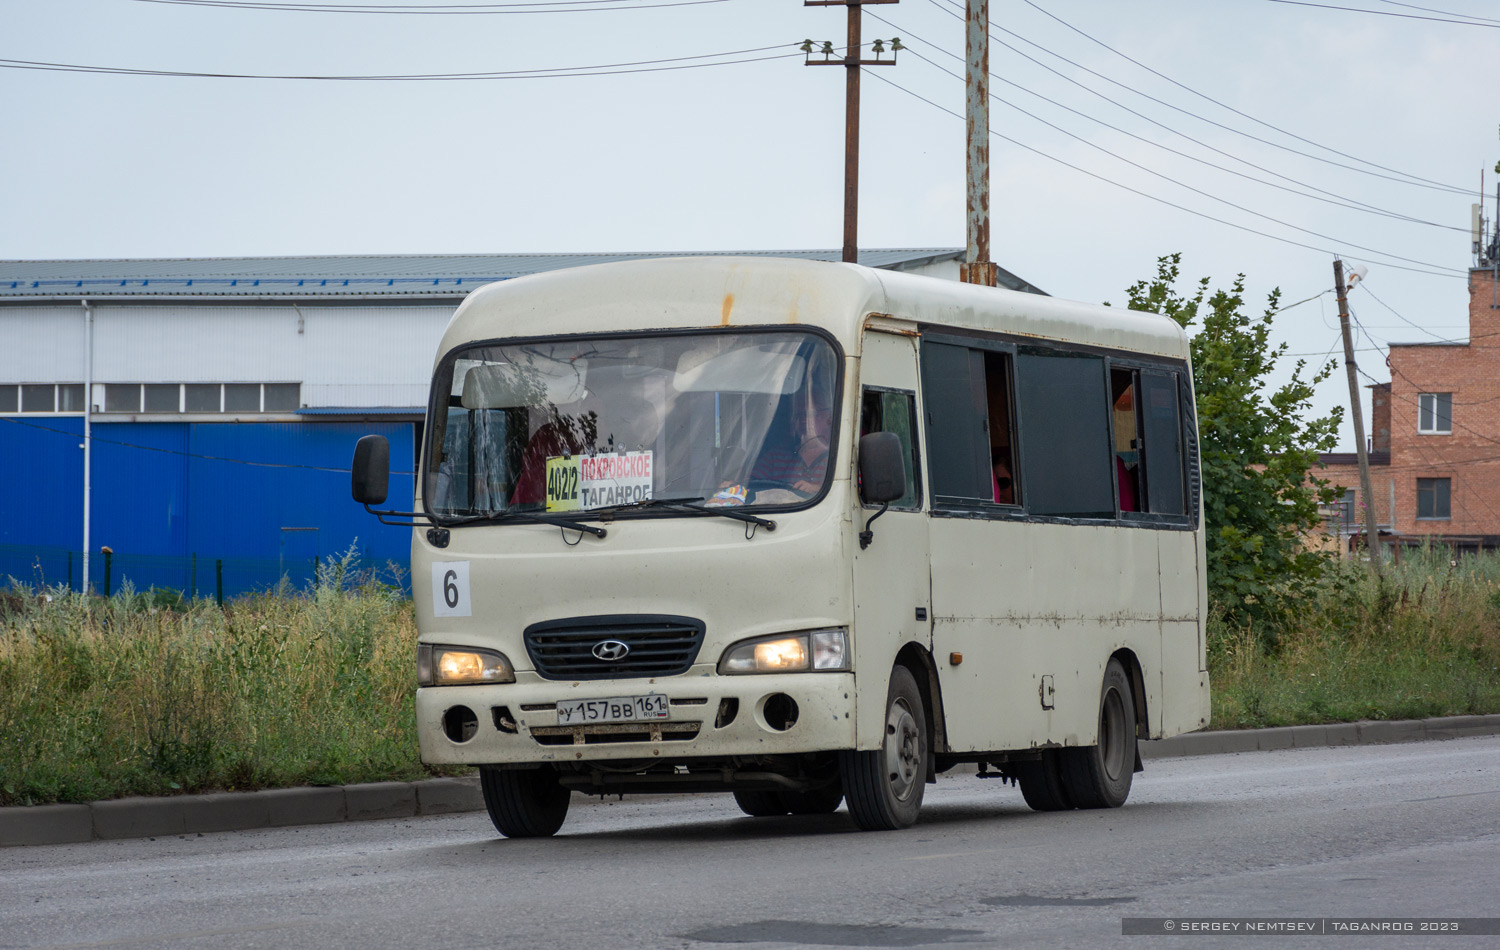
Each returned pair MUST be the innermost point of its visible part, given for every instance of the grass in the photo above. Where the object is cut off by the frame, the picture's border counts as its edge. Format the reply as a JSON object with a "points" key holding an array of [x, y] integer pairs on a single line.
{"points": [[151, 694], [1424, 643]]}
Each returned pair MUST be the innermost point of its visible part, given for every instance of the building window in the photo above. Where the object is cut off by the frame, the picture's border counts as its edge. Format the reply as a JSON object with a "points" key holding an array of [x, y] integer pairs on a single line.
{"points": [[283, 397], [1435, 413], [162, 397], [1433, 496], [38, 399], [1338, 515], [70, 397], [202, 397], [8, 399], [242, 397], [122, 397]]}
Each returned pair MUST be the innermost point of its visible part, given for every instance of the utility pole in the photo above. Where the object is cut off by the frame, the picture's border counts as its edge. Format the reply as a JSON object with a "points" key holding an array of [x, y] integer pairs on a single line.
{"points": [[852, 64], [1372, 533], [977, 267], [88, 434]]}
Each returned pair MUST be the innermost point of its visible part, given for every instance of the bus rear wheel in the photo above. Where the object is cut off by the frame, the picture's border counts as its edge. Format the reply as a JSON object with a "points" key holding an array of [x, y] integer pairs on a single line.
{"points": [[761, 804], [1098, 776], [1041, 782], [528, 803], [884, 787]]}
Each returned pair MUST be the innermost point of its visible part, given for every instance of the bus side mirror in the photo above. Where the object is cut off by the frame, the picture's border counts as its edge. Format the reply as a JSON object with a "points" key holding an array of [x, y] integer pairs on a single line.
{"points": [[882, 467], [369, 479]]}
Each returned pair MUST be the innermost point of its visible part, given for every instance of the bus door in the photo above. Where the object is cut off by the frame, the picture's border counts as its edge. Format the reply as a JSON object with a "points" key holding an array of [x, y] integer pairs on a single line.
{"points": [[892, 580]]}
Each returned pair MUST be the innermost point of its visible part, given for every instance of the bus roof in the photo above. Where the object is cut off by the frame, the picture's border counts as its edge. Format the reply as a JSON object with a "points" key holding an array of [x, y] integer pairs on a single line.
{"points": [[697, 293]]}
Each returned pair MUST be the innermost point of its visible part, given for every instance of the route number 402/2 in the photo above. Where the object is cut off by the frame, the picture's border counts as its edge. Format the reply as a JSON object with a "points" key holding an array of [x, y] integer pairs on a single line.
{"points": [[450, 589]]}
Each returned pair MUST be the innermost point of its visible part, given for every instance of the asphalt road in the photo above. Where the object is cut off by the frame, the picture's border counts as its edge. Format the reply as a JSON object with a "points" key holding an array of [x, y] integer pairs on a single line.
{"points": [[1387, 831]]}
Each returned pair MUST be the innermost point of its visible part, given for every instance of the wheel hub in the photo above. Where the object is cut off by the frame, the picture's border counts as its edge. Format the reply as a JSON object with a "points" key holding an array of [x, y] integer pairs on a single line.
{"points": [[903, 750]]}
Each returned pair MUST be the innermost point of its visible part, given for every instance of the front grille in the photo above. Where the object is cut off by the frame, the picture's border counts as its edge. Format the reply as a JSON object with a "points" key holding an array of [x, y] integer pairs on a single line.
{"points": [[658, 646], [616, 732]]}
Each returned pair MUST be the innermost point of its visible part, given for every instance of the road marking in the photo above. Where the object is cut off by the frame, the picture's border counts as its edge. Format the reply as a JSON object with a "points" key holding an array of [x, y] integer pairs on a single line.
{"points": [[161, 938], [1438, 798], [955, 854]]}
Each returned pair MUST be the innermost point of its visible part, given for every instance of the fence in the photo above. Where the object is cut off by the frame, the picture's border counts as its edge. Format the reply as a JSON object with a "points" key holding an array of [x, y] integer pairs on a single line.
{"points": [[194, 576]]}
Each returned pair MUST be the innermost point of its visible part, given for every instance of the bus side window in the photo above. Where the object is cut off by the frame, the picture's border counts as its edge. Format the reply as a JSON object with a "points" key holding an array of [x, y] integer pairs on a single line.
{"points": [[1003, 486], [1162, 430], [891, 411], [970, 425], [1125, 415], [1064, 429]]}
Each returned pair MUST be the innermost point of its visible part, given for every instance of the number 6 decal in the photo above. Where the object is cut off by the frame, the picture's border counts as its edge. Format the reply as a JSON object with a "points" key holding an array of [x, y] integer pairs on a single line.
{"points": [[450, 589]]}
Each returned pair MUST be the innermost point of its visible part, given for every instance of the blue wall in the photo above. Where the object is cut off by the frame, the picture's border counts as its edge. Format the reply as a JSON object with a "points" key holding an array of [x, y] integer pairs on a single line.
{"points": [[163, 492]]}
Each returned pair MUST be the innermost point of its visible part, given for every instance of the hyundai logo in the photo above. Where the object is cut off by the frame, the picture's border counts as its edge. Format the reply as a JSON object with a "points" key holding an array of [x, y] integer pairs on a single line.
{"points": [[611, 650]]}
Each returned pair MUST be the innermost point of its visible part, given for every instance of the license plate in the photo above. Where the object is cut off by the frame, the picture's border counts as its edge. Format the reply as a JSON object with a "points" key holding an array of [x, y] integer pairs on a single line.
{"points": [[578, 712]]}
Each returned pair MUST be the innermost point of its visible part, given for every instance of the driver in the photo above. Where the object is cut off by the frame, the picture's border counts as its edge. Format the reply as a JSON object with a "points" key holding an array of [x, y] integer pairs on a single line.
{"points": [[804, 466]]}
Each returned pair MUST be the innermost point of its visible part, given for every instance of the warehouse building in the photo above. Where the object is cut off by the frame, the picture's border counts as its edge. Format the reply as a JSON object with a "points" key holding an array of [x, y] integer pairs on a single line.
{"points": [[226, 398]]}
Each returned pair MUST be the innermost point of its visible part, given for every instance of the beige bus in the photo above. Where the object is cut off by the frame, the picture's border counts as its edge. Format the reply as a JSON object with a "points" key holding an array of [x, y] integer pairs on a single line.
{"points": [[804, 532]]}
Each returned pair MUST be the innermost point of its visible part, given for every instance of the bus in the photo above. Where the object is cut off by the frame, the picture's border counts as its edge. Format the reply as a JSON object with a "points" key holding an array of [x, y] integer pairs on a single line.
{"points": [[804, 532]]}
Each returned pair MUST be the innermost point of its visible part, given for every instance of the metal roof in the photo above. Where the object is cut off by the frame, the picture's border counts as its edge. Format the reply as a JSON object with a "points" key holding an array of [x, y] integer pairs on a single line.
{"points": [[396, 275]]}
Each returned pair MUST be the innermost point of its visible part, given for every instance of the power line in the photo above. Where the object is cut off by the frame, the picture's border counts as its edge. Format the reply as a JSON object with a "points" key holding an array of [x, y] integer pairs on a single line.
{"points": [[1198, 191], [1466, 16], [1143, 194], [1401, 318], [610, 69], [1224, 105], [1408, 16], [948, 6], [447, 9], [1161, 125], [1334, 200]]}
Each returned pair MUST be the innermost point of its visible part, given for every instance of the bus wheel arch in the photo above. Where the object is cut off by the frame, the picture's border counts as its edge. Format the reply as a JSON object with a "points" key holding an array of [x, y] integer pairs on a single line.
{"points": [[915, 658], [1099, 775], [1137, 677], [884, 787]]}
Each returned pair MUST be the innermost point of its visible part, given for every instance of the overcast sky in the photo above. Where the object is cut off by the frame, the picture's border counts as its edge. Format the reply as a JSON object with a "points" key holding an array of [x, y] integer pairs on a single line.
{"points": [[748, 155]]}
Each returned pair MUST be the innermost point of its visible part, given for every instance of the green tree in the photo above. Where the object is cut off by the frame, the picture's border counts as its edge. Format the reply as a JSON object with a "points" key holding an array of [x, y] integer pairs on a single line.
{"points": [[1258, 446]]}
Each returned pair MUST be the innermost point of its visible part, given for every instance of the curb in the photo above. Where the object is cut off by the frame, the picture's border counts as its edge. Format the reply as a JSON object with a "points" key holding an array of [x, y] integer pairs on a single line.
{"points": [[286, 807], [235, 811]]}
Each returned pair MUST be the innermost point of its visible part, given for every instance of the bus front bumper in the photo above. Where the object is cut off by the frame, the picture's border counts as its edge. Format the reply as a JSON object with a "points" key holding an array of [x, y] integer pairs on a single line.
{"points": [[709, 715]]}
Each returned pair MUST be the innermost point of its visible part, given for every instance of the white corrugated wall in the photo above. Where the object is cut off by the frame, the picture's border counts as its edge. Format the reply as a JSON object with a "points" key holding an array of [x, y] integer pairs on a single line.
{"points": [[343, 355]]}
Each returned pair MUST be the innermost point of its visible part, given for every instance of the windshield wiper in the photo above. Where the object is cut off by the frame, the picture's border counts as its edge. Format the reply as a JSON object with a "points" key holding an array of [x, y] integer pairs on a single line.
{"points": [[689, 504], [538, 517], [644, 503]]}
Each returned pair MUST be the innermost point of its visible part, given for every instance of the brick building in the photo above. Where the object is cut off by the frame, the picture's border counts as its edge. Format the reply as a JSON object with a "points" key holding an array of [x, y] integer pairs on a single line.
{"points": [[1434, 438]]}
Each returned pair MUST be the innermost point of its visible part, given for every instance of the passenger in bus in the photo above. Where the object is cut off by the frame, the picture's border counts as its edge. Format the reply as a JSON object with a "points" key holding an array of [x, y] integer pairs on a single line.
{"points": [[1129, 501], [1005, 488]]}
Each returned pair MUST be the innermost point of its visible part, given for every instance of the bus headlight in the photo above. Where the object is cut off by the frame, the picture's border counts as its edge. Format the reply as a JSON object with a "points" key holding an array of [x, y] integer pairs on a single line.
{"points": [[798, 653], [455, 666]]}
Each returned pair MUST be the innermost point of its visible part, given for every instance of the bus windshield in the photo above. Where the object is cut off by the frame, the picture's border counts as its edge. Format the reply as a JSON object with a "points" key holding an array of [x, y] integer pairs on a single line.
{"points": [[720, 419]]}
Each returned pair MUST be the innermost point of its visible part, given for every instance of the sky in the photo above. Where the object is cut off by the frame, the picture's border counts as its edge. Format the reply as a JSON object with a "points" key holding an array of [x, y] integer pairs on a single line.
{"points": [[1128, 106]]}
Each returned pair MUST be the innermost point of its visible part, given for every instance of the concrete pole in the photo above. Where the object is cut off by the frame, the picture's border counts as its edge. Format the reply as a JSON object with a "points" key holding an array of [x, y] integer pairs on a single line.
{"points": [[977, 267], [1367, 497]]}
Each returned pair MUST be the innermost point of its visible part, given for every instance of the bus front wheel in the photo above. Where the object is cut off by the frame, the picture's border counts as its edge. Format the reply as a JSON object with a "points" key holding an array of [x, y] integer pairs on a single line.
{"points": [[884, 787], [524, 803], [1098, 776]]}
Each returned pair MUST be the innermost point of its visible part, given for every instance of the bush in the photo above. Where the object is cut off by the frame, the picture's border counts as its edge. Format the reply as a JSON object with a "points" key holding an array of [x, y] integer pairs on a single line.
{"points": [[144, 694]]}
